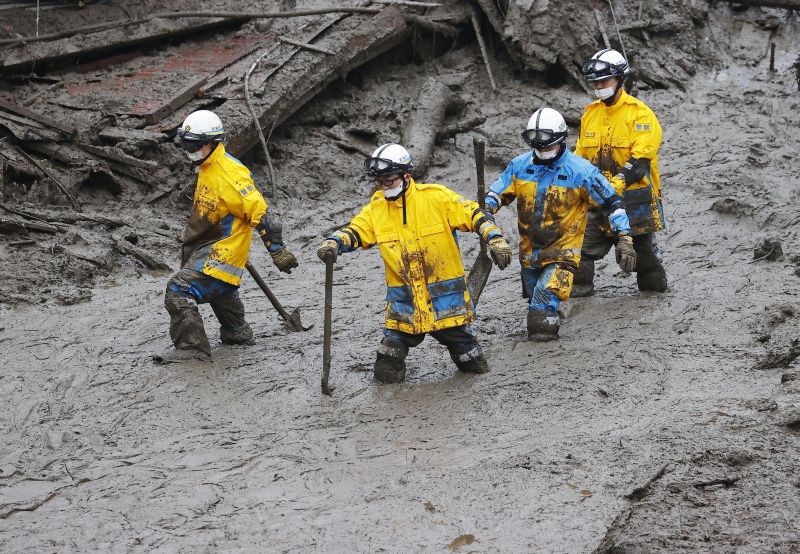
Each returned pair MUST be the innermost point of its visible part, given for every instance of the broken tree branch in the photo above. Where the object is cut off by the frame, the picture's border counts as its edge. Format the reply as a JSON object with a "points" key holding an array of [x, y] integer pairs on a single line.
{"points": [[602, 27], [249, 100], [30, 114], [305, 45], [51, 175], [125, 247], [785, 4], [408, 3], [268, 15], [476, 26], [435, 26], [119, 157], [81, 30]]}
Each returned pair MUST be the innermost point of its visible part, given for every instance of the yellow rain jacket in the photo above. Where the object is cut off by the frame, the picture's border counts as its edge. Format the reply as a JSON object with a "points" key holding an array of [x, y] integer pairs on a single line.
{"points": [[227, 206], [427, 290], [609, 137]]}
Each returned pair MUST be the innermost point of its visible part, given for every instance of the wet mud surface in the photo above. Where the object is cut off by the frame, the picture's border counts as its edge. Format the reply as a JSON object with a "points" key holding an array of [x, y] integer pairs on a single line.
{"points": [[658, 422]]}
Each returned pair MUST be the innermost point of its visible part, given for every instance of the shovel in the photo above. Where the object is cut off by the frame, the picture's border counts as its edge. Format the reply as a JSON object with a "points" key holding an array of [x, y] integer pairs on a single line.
{"points": [[479, 273], [292, 320], [326, 340]]}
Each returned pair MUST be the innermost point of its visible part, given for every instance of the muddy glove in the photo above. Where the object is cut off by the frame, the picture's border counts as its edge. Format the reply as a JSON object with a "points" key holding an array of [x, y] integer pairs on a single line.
{"points": [[328, 251], [284, 260], [626, 255], [500, 251]]}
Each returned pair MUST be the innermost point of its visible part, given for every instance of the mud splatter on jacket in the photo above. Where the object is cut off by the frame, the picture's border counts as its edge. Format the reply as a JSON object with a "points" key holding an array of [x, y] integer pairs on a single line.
{"points": [[427, 290], [227, 206], [552, 200], [609, 137]]}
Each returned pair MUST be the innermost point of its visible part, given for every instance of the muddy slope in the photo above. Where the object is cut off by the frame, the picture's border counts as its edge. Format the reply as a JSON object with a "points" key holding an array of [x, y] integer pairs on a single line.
{"points": [[657, 422]]}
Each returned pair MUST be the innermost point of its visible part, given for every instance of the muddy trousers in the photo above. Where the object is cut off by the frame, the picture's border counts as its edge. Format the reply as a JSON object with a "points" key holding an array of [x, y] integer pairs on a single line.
{"points": [[650, 274], [546, 287], [461, 342], [188, 288]]}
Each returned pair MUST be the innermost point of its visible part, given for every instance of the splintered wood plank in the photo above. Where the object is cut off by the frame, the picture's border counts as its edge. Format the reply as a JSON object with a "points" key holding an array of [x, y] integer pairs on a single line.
{"points": [[354, 41]]}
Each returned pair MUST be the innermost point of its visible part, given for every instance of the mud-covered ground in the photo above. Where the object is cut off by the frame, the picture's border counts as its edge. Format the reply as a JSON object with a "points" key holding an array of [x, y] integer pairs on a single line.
{"points": [[657, 423]]}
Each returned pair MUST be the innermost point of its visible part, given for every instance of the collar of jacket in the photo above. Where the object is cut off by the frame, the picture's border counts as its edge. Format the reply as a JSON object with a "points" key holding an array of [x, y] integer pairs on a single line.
{"points": [[623, 99], [215, 155]]}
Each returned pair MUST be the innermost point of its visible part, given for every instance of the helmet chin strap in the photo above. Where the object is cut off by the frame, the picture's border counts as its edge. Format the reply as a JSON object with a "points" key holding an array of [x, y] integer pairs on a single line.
{"points": [[402, 196], [613, 98]]}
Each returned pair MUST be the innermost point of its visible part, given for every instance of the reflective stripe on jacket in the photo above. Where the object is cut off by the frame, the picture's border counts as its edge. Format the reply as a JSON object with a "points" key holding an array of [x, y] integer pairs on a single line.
{"points": [[227, 206], [609, 137], [427, 289], [552, 200]]}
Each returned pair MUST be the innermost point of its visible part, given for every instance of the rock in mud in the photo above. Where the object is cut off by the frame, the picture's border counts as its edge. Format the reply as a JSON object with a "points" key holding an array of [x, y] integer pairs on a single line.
{"points": [[769, 249], [731, 206]]}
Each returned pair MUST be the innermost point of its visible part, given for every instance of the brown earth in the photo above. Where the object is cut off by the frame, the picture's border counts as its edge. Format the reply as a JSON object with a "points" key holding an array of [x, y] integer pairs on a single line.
{"points": [[659, 422]]}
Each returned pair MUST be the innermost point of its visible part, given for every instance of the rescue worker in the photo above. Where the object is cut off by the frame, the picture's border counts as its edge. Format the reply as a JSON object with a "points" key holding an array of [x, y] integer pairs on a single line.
{"points": [[227, 206], [414, 226], [553, 188], [621, 136]]}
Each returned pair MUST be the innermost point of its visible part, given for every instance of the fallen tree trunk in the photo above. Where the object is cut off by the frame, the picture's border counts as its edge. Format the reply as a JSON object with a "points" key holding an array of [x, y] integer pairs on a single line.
{"points": [[420, 133]]}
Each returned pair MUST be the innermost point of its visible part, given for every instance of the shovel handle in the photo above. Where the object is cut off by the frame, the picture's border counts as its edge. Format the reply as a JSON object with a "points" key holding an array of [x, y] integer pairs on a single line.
{"points": [[263, 285], [480, 151], [326, 339]]}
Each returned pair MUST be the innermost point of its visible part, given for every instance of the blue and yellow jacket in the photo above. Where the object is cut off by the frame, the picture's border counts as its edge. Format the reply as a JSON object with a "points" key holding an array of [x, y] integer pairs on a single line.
{"points": [[610, 136], [427, 290], [552, 200], [227, 206]]}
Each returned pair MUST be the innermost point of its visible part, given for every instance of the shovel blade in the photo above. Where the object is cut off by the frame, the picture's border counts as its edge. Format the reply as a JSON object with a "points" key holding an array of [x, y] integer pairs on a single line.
{"points": [[293, 322], [478, 276]]}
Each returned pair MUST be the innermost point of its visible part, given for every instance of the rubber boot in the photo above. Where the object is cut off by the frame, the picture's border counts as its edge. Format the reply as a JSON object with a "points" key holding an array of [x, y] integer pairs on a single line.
{"points": [[471, 361], [542, 326], [182, 355], [654, 279], [390, 369], [583, 282], [475, 365]]}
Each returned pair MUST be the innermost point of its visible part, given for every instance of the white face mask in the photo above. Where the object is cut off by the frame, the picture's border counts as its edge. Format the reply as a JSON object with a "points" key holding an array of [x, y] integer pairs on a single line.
{"points": [[196, 156], [546, 155], [391, 194], [604, 93]]}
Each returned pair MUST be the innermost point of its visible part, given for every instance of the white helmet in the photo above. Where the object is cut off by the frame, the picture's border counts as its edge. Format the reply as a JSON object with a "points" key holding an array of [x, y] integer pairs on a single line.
{"points": [[389, 159], [546, 127], [604, 64], [202, 126]]}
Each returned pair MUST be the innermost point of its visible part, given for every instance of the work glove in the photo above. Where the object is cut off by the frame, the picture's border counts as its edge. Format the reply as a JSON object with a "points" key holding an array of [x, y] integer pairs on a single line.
{"points": [[328, 251], [500, 251], [626, 255], [284, 260]]}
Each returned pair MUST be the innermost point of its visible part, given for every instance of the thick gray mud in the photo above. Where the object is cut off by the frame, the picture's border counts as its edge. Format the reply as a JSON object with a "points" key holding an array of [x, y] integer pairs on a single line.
{"points": [[656, 423]]}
